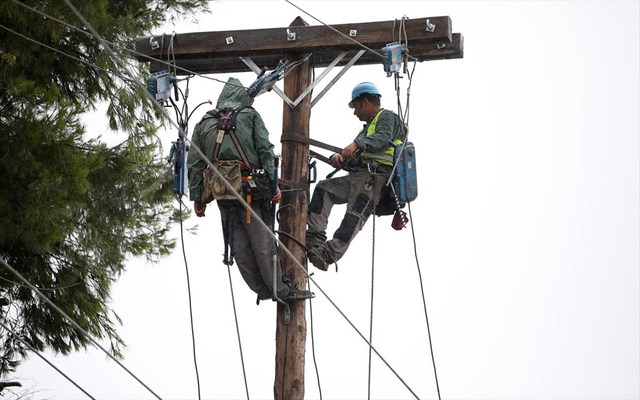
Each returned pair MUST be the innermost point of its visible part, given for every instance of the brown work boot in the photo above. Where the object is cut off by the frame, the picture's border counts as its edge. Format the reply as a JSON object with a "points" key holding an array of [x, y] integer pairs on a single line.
{"points": [[319, 258]]}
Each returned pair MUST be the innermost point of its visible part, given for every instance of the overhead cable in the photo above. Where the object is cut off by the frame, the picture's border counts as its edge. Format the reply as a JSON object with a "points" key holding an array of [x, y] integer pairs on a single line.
{"points": [[72, 322], [149, 58], [379, 54], [186, 266], [12, 333]]}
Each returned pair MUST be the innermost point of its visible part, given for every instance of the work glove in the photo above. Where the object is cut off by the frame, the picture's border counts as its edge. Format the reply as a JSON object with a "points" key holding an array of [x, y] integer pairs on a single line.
{"points": [[199, 207]]}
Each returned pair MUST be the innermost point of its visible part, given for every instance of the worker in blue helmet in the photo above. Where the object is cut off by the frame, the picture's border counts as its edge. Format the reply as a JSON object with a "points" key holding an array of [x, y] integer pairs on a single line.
{"points": [[369, 161]]}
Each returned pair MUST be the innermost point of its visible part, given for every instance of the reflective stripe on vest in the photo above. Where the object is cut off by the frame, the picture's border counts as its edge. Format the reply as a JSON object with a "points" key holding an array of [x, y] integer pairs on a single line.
{"points": [[383, 157]]}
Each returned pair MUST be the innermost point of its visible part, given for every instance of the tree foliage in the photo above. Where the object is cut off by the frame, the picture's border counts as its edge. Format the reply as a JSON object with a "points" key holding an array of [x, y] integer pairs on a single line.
{"points": [[71, 207]]}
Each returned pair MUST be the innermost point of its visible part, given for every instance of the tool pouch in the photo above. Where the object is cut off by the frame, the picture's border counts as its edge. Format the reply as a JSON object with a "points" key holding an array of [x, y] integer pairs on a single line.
{"points": [[258, 185], [215, 188]]}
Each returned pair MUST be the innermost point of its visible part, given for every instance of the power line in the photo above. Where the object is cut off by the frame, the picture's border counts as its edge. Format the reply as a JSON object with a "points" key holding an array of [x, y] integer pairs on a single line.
{"points": [[424, 302], [72, 322], [337, 31], [62, 52], [111, 43], [379, 54], [55, 288], [186, 266], [45, 359]]}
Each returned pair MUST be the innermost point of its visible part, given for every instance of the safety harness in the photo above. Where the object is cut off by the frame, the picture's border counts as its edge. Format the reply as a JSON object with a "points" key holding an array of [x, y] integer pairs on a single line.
{"points": [[227, 118]]}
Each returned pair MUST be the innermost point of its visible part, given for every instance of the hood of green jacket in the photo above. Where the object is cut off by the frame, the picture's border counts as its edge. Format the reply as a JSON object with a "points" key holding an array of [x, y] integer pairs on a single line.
{"points": [[234, 94]]}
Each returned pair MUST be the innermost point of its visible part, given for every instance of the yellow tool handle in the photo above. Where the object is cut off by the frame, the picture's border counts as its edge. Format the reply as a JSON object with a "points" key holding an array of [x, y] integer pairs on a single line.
{"points": [[249, 212]]}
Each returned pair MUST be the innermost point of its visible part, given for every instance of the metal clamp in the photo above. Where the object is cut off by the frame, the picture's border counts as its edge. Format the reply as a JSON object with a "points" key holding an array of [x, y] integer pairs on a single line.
{"points": [[229, 40], [153, 43], [430, 27], [287, 315], [291, 36], [353, 32]]}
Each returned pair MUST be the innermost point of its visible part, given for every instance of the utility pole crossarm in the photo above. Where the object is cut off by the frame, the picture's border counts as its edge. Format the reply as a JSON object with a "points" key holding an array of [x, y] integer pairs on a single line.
{"points": [[219, 52]]}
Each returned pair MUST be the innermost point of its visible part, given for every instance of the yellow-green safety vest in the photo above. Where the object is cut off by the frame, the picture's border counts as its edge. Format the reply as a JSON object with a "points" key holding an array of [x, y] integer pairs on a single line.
{"points": [[384, 157]]}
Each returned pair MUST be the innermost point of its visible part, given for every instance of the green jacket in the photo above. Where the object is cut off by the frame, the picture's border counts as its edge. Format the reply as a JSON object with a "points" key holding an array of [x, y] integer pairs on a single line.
{"points": [[250, 130], [376, 136]]}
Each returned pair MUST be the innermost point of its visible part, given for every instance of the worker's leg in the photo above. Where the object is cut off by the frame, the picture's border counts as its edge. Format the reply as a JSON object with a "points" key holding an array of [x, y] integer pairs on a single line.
{"points": [[365, 192], [327, 193], [242, 247], [264, 249]]}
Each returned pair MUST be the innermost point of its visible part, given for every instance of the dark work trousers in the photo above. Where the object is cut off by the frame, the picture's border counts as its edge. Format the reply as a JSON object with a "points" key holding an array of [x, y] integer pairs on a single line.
{"points": [[253, 248], [360, 190]]}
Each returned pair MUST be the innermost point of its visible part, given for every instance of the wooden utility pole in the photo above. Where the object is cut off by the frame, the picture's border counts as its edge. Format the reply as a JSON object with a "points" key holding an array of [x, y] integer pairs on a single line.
{"points": [[291, 338], [306, 47]]}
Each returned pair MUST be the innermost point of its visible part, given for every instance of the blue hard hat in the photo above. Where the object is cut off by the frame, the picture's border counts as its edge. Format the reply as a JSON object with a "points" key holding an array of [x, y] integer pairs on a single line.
{"points": [[361, 88]]}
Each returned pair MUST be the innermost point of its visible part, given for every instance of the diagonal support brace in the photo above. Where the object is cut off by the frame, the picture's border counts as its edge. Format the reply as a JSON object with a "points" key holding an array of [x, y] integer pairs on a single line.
{"points": [[252, 65]]}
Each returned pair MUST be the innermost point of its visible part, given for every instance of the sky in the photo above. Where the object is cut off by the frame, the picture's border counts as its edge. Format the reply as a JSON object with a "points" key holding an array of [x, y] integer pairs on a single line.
{"points": [[526, 226]]}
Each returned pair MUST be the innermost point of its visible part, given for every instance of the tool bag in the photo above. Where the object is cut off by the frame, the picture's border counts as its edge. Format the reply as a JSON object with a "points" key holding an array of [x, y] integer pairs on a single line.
{"points": [[215, 187], [402, 187]]}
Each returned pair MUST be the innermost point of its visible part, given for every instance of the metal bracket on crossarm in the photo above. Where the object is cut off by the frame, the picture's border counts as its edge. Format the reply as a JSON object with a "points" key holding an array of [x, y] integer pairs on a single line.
{"points": [[249, 63]]}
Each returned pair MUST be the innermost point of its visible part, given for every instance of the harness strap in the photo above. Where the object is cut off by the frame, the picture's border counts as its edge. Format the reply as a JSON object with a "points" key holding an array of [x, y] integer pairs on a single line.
{"points": [[228, 126], [236, 142]]}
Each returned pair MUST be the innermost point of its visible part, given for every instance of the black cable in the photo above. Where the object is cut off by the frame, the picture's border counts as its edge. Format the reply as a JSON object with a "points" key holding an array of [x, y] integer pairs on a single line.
{"points": [[313, 345], [45, 360], [235, 315], [148, 58], [373, 253], [186, 267], [75, 324], [424, 302]]}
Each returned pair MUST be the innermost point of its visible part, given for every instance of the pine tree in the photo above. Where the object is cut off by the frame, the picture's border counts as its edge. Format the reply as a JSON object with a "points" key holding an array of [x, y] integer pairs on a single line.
{"points": [[71, 207]]}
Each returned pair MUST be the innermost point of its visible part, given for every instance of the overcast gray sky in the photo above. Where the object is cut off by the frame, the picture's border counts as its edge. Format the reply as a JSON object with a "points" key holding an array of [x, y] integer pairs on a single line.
{"points": [[527, 227]]}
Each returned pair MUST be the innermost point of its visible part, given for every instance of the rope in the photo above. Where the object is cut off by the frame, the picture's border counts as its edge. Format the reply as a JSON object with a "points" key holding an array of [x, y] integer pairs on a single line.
{"points": [[373, 253]]}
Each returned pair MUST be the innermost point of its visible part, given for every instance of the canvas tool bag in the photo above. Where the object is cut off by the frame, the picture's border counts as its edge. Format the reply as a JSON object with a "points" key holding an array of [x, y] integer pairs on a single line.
{"points": [[215, 187]]}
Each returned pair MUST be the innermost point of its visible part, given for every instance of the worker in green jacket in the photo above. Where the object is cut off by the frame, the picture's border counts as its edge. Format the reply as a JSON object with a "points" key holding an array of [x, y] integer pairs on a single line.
{"points": [[253, 249], [369, 161]]}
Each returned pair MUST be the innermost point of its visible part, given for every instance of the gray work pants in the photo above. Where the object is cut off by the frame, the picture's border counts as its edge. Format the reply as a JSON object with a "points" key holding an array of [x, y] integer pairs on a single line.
{"points": [[361, 191], [253, 248]]}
